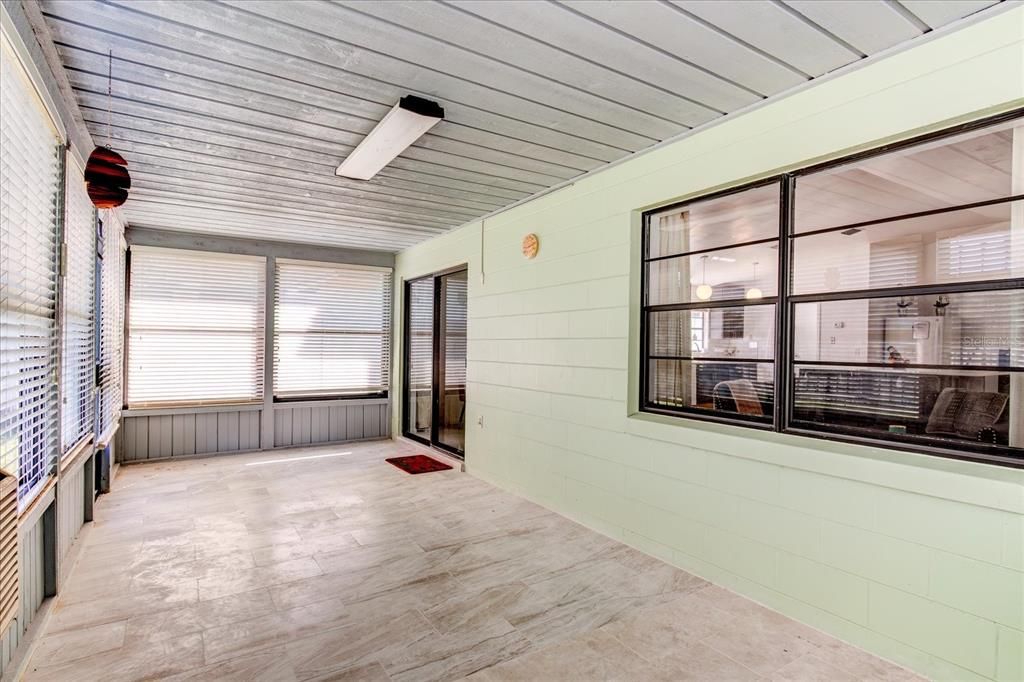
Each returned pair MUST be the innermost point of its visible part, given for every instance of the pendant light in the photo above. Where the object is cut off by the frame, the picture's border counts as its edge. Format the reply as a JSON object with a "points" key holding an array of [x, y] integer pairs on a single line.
{"points": [[754, 292], [704, 291]]}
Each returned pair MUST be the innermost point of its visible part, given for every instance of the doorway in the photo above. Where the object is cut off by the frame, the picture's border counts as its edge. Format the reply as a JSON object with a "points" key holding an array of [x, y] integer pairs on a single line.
{"points": [[434, 395]]}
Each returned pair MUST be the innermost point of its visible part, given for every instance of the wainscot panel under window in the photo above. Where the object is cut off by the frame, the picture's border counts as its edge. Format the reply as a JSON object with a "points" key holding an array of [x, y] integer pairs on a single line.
{"points": [[30, 173], [78, 301], [195, 323], [710, 294], [332, 330]]}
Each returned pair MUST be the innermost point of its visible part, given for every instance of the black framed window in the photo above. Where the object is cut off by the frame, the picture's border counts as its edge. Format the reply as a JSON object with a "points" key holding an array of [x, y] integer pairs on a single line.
{"points": [[900, 314], [710, 297]]}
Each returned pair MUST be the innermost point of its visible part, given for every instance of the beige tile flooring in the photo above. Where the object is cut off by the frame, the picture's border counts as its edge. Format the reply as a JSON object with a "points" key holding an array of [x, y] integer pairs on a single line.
{"points": [[329, 564]]}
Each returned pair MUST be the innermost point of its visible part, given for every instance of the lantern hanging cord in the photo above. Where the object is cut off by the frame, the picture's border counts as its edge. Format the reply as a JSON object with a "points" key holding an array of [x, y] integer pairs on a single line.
{"points": [[110, 74]]}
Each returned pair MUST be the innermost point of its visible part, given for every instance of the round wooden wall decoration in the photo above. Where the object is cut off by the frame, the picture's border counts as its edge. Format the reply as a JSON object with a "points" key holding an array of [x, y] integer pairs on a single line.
{"points": [[531, 245]]}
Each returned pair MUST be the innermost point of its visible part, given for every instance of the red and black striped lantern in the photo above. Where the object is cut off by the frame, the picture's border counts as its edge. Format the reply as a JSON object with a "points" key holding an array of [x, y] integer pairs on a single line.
{"points": [[106, 178]]}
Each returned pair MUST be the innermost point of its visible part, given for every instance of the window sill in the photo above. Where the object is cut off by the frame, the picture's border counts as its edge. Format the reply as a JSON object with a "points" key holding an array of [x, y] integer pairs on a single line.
{"points": [[333, 401], [190, 409]]}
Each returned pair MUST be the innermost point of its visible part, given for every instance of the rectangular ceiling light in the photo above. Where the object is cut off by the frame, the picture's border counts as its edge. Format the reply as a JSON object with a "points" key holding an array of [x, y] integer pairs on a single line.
{"points": [[399, 128]]}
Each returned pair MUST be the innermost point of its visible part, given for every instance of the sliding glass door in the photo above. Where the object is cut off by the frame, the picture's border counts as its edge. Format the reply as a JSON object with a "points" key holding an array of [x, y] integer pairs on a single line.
{"points": [[434, 394]]}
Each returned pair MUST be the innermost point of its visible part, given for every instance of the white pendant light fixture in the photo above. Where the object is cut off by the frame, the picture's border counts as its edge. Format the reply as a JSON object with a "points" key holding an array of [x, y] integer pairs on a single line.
{"points": [[704, 291], [400, 127], [754, 292]]}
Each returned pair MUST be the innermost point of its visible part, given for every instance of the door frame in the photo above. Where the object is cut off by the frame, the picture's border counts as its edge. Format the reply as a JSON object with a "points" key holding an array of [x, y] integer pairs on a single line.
{"points": [[435, 357]]}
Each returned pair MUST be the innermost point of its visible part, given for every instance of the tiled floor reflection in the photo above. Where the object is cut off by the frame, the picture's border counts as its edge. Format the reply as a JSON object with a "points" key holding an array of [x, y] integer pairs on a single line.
{"points": [[328, 563]]}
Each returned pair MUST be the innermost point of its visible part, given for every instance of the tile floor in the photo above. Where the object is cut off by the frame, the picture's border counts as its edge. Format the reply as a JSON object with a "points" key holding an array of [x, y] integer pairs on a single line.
{"points": [[329, 564]]}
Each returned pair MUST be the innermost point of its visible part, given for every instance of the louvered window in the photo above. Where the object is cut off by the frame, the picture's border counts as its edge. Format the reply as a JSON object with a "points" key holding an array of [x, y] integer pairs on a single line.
{"points": [[332, 330], [30, 192], [77, 310], [195, 324], [111, 315]]}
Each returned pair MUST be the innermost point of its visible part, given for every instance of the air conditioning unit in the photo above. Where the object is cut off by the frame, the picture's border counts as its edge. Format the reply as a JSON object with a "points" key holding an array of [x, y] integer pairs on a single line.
{"points": [[8, 549]]}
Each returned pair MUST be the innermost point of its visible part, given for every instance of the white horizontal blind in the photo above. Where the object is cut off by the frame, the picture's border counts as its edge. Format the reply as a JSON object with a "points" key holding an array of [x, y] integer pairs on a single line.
{"points": [[111, 323], [195, 323], [456, 323], [30, 175], [420, 353], [77, 309], [332, 329], [977, 255]]}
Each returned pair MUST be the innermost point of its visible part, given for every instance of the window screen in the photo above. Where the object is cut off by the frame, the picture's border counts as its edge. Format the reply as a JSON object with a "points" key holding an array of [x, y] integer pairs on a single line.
{"points": [[332, 330], [30, 172], [195, 324], [111, 314], [77, 310]]}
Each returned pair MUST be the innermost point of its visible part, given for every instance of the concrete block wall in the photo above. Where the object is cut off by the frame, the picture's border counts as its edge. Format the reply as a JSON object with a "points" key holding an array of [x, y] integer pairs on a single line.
{"points": [[916, 558]]}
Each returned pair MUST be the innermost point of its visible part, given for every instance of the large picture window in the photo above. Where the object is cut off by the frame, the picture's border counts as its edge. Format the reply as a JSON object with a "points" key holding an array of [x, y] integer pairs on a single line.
{"points": [[902, 315], [332, 330], [195, 322]]}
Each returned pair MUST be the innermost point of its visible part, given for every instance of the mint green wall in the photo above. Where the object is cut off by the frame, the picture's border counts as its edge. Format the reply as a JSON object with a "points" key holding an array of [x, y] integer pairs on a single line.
{"points": [[917, 559]]}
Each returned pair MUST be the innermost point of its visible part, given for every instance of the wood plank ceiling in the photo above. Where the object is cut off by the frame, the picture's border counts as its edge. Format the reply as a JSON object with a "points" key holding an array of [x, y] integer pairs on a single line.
{"points": [[233, 115]]}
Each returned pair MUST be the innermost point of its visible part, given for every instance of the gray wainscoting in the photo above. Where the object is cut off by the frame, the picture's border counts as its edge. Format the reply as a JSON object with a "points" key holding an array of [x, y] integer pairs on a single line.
{"points": [[305, 424], [31, 588], [162, 434], [70, 505], [158, 436]]}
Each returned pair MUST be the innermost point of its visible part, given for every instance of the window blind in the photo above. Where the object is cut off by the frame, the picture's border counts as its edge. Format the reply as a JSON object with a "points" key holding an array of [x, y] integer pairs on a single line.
{"points": [[976, 255], [420, 353], [456, 325], [30, 175], [332, 329], [195, 324], [77, 309], [111, 323]]}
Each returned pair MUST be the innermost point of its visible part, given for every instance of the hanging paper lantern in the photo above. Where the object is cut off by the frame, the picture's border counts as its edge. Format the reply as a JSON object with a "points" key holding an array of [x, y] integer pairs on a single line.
{"points": [[106, 178]]}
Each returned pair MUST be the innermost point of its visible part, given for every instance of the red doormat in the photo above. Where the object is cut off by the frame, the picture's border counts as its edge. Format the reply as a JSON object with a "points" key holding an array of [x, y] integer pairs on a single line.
{"points": [[417, 464]]}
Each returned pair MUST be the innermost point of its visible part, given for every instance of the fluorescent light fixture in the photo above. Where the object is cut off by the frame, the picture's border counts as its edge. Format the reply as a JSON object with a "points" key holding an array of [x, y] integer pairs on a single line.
{"points": [[399, 128]]}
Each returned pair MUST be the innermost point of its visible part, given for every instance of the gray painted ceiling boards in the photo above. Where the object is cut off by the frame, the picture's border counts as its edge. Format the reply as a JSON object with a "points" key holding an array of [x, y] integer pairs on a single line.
{"points": [[234, 115]]}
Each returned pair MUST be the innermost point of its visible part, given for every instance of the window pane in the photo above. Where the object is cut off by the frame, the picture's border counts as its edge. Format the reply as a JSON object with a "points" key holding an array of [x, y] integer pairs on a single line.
{"points": [[971, 245], [332, 329], [196, 327], [733, 219], [948, 407], [732, 274], [954, 171], [735, 332], [742, 389], [982, 329]]}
